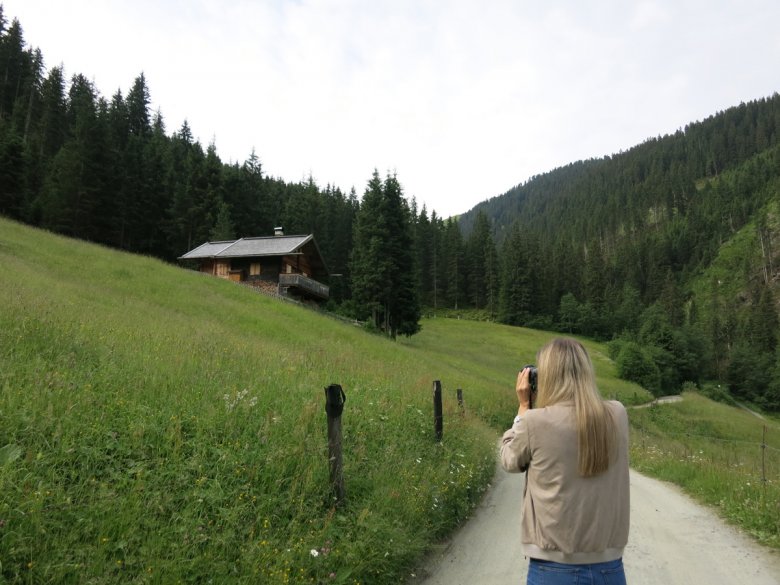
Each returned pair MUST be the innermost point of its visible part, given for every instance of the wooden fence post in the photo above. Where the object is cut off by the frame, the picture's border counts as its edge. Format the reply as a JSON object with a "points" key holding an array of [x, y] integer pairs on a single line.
{"points": [[460, 401], [334, 406], [438, 417], [763, 457]]}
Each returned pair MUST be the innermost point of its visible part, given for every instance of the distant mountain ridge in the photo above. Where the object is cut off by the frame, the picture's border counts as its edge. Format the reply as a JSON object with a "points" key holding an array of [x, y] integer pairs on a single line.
{"points": [[657, 172], [684, 224]]}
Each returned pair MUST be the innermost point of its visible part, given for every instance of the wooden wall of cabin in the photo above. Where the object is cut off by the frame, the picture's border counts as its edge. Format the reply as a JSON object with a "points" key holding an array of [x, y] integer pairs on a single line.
{"points": [[299, 264], [257, 269], [265, 269], [219, 268]]}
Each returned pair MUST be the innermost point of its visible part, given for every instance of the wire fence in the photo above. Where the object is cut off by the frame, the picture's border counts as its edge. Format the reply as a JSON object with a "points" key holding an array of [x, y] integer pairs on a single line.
{"points": [[759, 459]]}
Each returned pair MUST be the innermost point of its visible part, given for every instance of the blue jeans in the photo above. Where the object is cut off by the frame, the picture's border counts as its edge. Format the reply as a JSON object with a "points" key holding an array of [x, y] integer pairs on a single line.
{"points": [[549, 573]]}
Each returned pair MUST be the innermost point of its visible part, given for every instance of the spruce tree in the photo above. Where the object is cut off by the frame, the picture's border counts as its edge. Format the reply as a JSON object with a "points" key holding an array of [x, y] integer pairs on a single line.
{"points": [[74, 193], [475, 251], [382, 264], [223, 227], [370, 265], [423, 245], [516, 286], [52, 123], [492, 277], [403, 305], [13, 163], [138, 100], [453, 265]]}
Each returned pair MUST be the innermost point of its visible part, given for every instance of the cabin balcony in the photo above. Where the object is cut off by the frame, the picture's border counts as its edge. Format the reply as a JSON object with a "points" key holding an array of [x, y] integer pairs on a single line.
{"points": [[300, 285]]}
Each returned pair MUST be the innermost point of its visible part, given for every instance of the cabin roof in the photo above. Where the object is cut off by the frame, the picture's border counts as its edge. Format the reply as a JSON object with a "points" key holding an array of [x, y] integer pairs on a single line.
{"points": [[244, 247]]}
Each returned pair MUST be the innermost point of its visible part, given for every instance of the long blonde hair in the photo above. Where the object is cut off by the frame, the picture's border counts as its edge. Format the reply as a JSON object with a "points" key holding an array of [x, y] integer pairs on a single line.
{"points": [[566, 374]]}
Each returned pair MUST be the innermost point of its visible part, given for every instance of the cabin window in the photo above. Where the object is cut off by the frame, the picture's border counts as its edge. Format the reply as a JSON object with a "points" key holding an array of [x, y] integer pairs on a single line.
{"points": [[255, 268], [222, 269], [289, 269]]}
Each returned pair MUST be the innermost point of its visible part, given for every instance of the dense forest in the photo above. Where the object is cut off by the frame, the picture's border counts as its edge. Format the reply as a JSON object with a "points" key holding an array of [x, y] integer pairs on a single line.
{"points": [[667, 249]]}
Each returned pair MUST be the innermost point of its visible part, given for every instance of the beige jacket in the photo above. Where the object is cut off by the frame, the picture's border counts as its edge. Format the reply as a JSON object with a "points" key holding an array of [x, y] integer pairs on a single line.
{"points": [[568, 518]]}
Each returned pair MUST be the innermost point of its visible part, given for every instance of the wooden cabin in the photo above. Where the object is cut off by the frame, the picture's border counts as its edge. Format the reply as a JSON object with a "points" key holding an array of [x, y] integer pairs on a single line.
{"points": [[290, 266]]}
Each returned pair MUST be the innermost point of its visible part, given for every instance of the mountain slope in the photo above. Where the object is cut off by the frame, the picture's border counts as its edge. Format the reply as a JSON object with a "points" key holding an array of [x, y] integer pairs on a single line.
{"points": [[622, 246], [159, 425]]}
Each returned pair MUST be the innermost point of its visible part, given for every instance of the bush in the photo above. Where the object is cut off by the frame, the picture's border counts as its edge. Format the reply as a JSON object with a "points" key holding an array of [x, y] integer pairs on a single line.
{"points": [[636, 365], [614, 347], [716, 392]]}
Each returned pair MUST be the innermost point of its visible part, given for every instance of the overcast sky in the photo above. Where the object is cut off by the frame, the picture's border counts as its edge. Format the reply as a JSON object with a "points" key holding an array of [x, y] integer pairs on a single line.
{"points": [[463, 99]]}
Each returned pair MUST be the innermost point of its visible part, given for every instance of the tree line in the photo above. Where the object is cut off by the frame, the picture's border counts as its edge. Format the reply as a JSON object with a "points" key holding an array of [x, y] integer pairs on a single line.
{"points": [[625, 248]]}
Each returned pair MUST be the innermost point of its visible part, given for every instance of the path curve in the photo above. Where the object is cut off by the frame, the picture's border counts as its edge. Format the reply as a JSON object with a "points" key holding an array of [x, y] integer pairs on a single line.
{"points": [[673, 541], [661, 400]]}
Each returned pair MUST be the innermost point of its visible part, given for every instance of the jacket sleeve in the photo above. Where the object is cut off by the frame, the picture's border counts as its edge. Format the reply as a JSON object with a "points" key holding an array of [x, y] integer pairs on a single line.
{"points": [[515, 448]]}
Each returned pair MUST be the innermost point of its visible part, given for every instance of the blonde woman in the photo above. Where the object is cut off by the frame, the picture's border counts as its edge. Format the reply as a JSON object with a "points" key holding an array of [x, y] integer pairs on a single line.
{"points": [[574, 446]]}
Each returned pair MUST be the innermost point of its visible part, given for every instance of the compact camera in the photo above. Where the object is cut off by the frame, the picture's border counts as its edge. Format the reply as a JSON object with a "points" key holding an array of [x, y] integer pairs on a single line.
{"points": [[533, 375]]}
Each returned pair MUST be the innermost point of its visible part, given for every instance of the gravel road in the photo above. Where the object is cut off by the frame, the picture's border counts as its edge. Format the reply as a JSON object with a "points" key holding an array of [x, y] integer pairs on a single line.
{"points": [[673, 541]]}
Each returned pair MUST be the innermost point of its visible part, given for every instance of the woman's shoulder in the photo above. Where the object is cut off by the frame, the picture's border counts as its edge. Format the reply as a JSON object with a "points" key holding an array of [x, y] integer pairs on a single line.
{"points": [[551, 412], [617, 409]]}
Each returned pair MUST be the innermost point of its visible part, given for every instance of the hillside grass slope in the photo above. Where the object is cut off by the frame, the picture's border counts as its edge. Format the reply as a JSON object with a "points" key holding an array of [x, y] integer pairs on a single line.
{"points": [[158, 425], [161, 426]]}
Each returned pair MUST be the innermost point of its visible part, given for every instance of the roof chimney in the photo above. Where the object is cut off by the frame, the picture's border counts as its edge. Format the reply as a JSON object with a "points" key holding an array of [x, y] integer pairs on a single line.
{"points": [[279, 231]]}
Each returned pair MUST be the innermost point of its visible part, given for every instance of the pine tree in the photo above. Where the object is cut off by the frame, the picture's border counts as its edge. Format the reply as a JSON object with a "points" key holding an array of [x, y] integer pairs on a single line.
{"points": [[223, 227], [475, 251], [568, 313], [423, 246], [185, 176], [492, 278], [138, 100], [15, 63], [382, 264], [13, 163], [370, 265], [340, 214], [246, 192], [516, 286], [73, 197], [453, 265], [402, 302], [151, 233], [121, 187], [52, 123], [302, 210], [593, 319], [628, 311]]}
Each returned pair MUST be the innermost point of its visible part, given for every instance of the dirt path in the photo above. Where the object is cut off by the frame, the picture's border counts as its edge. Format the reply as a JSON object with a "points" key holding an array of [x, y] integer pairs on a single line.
{"points": [[673, 541]]}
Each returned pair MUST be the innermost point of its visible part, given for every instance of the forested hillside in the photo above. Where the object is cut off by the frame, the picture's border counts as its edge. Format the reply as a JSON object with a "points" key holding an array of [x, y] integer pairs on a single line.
{"points": [[672, 246], [107, 170], [668, 248]]}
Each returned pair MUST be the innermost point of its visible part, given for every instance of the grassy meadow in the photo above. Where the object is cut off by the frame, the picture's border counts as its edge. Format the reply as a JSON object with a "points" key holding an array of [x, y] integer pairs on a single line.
{"points": [[714, 452], [162, 426]]}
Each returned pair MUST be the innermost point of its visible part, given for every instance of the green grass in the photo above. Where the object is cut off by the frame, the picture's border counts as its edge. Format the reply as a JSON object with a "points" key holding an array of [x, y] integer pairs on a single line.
{"points": [[161, 426], [714, 452], [476, 352]]}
